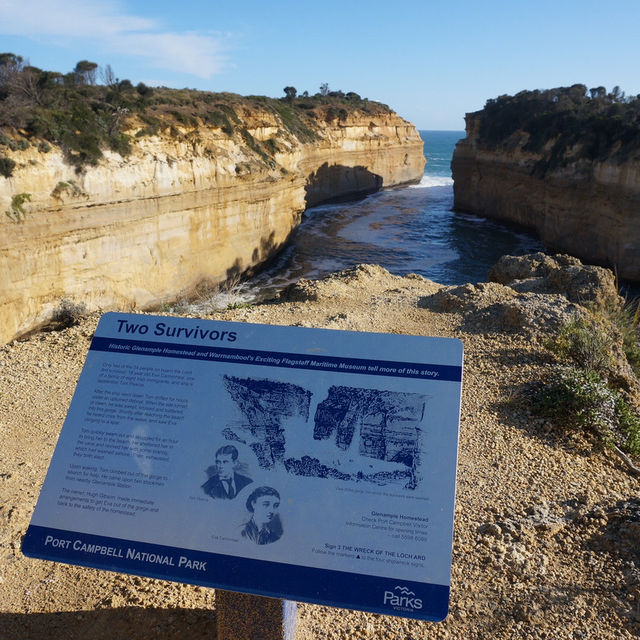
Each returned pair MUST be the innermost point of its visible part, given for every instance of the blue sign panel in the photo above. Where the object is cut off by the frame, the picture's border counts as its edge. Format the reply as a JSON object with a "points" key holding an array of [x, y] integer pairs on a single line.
{"points": [[306, 464]]}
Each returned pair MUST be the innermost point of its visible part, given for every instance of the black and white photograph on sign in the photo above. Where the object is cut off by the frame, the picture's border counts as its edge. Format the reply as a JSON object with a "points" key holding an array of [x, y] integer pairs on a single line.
{"points": [[357, 424], [323, 451], [264, 525], [224, 482]]}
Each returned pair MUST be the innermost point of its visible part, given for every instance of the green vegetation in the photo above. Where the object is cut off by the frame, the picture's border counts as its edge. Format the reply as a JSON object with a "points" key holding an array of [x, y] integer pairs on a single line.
{"points": [[584, 392], [578, 398], [297, 121], [14, 145], [564, 125], [220, 117], [589, 343], [69, 110], [85, 118], [290, 93], [626, 320], [240, 305], [70, 188], [16, 211], [7, 165], [584, 343]]}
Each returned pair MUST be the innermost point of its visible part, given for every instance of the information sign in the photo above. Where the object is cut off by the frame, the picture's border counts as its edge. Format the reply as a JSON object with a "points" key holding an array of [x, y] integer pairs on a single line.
{"points": [[306, 464]]}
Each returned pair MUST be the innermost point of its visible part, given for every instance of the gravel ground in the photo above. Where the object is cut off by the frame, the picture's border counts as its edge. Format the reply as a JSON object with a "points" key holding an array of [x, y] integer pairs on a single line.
{"points": [[547, 529]]}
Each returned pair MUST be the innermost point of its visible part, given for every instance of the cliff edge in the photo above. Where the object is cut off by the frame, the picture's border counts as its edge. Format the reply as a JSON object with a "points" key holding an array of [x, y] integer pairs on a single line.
{"points": [[562, 163], [547, 522], [196, 199]]}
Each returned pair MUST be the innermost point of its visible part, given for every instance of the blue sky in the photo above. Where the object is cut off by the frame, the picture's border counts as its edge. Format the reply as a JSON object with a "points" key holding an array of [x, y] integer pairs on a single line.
{"points": [[430, 60]]}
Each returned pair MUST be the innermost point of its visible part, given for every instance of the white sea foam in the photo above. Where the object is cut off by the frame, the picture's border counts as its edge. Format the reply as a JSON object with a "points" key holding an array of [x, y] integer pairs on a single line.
{"points": [[433, 181], [219, 301]]}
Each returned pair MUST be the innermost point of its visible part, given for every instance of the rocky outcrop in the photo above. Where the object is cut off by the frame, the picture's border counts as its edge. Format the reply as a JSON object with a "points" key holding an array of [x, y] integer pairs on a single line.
{"points": [[589, 208], [534, 294], [587, 285], [185, 209], [539, 296], [492, 307]]}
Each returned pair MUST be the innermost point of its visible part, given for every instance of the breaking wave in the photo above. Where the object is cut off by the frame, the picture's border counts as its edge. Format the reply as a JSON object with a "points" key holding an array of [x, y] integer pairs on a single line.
{"points": [[433, 181]]}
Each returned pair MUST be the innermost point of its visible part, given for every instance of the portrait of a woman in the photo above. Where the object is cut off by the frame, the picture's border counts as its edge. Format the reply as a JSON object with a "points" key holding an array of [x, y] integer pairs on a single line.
{"points": [[264, 525]]}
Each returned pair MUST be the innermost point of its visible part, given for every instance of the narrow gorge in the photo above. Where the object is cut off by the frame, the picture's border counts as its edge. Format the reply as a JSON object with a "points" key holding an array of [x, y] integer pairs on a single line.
{"points": [[192, 204]]}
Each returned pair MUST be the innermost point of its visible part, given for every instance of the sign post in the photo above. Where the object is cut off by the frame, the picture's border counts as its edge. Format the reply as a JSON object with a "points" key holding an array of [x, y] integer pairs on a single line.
{"points": [[299, 464], [242, 616]]}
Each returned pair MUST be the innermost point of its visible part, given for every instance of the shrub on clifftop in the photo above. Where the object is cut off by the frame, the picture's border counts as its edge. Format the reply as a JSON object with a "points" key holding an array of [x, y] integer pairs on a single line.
{"points": [[563, 124], [594, 388], [585, 344], [7, 165], [579, 399], [85, 118]]}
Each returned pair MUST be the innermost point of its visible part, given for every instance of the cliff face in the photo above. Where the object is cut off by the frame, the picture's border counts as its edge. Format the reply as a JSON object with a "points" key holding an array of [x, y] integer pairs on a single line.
{"points": [[182, 211], [587, 207]]}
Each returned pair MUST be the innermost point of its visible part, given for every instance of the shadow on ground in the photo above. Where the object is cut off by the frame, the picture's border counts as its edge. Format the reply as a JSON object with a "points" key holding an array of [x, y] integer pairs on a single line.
{"points": [[111, 624]]}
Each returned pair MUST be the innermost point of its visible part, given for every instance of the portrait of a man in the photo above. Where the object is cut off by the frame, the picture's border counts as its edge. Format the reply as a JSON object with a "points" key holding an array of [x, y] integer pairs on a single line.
{"points": [[226, 482]]}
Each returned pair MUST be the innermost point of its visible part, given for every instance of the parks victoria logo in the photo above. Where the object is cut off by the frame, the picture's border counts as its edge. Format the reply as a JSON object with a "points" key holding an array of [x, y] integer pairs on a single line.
{"points": [[402, 599]]}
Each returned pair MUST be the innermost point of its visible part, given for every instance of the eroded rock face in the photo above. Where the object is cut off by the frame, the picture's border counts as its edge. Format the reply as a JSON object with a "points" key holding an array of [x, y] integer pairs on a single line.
{"points": [[491, 307], [563, 274], [535, 293], [340, 283], [179, 212], [538, 295], [589, 209]]}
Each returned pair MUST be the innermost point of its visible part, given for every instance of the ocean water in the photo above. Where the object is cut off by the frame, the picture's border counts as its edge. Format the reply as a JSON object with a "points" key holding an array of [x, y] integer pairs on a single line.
{"points": [[406, 230]]}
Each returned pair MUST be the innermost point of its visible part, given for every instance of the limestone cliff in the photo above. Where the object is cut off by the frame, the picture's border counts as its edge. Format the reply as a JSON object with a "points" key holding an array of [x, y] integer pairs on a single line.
{"points": [[186, 207], [575, 182]]}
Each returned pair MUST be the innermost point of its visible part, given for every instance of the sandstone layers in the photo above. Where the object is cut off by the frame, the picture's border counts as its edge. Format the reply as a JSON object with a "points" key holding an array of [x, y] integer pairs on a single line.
{"points": [[588, 209], [181, 211]]}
